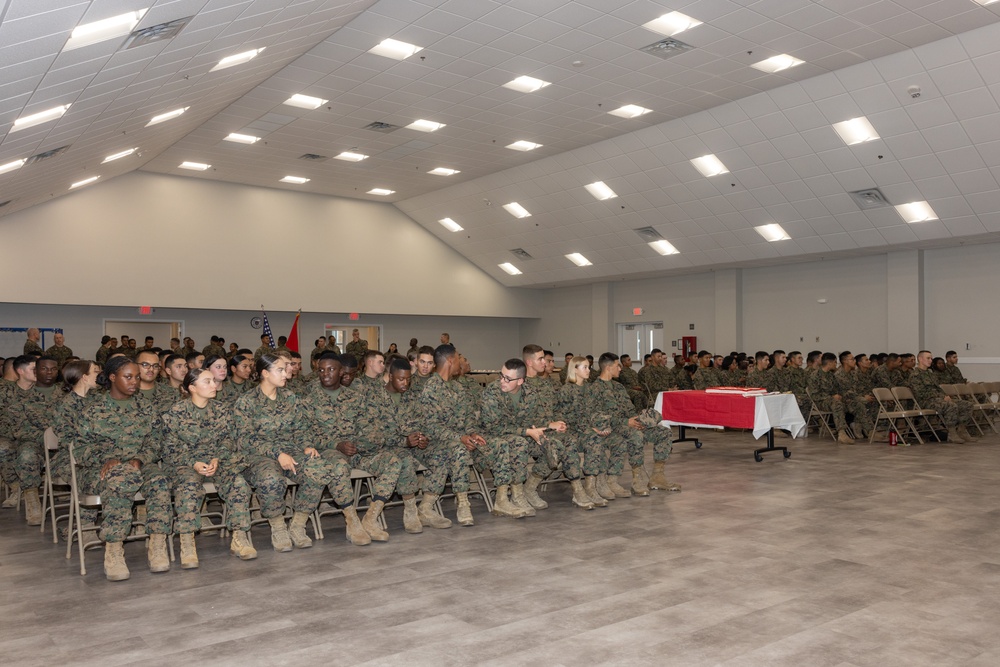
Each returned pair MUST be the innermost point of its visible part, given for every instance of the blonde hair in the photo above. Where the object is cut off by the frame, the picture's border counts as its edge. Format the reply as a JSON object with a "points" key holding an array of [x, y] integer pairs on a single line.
{"points": [[571, 369]]}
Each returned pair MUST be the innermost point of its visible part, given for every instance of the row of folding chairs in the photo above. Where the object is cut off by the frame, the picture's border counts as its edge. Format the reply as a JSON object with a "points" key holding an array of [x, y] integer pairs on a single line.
{"points": [[985, 400]]}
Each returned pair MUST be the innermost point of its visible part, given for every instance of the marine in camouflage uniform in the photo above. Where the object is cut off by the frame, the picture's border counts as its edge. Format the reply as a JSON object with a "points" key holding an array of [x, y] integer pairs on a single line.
{"points": [[60, 353], [709, 376], [357, 349], [612, 411], [956, 413], [857, 401], [31, 347], [65, 418], [29, 413], [630, 380], [502, 415], [824, 389], [262, 350], [160, 398]]}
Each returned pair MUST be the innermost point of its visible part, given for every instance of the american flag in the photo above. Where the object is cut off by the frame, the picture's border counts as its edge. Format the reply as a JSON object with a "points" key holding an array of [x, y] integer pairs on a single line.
{"points": [[267, 329]]}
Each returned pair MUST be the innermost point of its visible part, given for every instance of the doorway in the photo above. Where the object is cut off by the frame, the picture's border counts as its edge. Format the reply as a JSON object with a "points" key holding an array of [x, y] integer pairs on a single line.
{"points": [[161, 330], [636, 340], [342, 334]]}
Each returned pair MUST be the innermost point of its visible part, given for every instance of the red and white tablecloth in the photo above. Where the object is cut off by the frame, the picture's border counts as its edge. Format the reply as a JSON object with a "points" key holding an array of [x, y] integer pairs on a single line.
{"points": [[699, 409]]}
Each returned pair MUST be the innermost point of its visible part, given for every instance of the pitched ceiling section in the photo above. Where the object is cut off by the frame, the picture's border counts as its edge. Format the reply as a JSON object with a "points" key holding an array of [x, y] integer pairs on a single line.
{"points": [[782, 161]]}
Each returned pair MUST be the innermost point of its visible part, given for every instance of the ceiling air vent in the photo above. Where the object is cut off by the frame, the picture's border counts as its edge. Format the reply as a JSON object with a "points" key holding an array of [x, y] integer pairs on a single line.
{"points": [[45, 155], [666, 48], [648, 234], [156, 33], [520, 253], [870, 198], [312, 157], [379, 126]]}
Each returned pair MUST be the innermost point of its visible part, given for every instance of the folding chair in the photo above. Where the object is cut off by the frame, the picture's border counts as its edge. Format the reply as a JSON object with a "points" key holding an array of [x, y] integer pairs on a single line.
{"points": [[362, 483], [477, 487], [49, 506], [973, 392], [890, 412], [902, 394], [823, 418]]}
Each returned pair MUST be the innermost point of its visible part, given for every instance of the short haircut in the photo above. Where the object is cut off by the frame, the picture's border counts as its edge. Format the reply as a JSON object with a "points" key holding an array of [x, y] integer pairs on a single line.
{"points": [[843, 355], [105, 340], [606, 360], [761, 355], [892, 356], [777, 352], [442, 353], [704, 353], [193, 357], [861, 356], [263, 336], [655, 350], [828, 357], [812, 356], [951, 353], [169, 361], [398, 365], [531, 349], [645, 358], [793, 353], [548, 353], [425, 349], [372, 353], [328, 355], [625, 356], [516, 366], [295, 355], [148, 352], [348, 361]]}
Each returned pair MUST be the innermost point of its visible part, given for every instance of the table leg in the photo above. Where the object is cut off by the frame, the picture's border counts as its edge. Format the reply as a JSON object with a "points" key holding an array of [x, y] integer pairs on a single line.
{"points": [[770, 448], [683, 432]]}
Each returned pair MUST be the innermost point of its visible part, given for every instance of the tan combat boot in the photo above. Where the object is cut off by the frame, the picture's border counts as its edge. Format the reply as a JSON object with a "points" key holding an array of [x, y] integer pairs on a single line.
{"points": [[32, 507], [428, 515], [411, 518], [966, 435], [640, 481], [616, 488], [590, 487], [603, 490], [659, 479], [156, 553], [115, 568], [356, 533], [955, 436], [279, 534], [240, 546], [844, 438], [464, 509], [13, 498], [519, 501], [580, 497], [371, 525], [531, 491], [189, 554], [502, 506], [297, 531]]}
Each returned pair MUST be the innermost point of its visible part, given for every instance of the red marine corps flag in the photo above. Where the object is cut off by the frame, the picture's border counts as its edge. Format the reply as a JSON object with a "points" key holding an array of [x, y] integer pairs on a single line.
{"points": [[293, 335]]}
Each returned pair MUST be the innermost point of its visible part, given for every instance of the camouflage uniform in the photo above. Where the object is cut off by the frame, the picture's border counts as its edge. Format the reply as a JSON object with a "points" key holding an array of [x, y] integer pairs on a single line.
{"points": [[213, 348], [709, 376], [611, 406], [853, 391], [953, 375], [124, 431], [629, 379], [191, 435], [797, 383], [60, 353], [160, 398], [757, 378], [357, 349], [507, 447], [574, 405], [417, 382], [682, 379], [31, 347], [542, 399], [101, 357], [229, 392], [929, 395], [266, 428], [823, 385], [29, 414], [262, 350], [318, 350], [65, 416], [444, 415]]}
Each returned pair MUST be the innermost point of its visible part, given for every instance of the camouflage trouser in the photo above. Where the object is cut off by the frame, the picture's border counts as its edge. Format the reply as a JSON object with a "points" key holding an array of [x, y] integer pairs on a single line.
{"points": [[7, 472], [386, 466], [863, 411], [331, 470], [639, 399], [659, 436], [621, 445], [408, 483], [565, 447], [836, 406], [117, 491], [954, 412], [595, 459], [267, 480], [444, 459], [21, 461], [504, 456], [189, 493]]}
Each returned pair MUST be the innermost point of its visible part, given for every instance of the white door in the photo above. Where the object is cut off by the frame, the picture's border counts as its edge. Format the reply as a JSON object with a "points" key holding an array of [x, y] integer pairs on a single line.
{"points": [[636, 340]]}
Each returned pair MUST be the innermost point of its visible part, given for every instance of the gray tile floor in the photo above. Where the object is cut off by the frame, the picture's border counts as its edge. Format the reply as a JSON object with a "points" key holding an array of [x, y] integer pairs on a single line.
{"points": [[841, 555]]}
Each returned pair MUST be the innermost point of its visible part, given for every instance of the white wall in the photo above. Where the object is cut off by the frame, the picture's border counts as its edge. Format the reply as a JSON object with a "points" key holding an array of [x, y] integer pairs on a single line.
{"points": [[170, 242]]}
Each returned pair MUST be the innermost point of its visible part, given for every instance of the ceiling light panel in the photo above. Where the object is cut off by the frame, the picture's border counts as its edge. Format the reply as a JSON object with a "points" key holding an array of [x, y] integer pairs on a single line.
{"points": [[237, 59], [166, 116], [86, 181], [917, 211], [510, 268], [24, 122], [382, 192], [523, 146], [12, 166], [709, 165], [105, 29], [856, 131], [444, 171], [578, 259], [671, 24], [601, 191], [194, 166], [305, 102], [630, 111], [297, 180], [349, 156], [526, 84], [773, 232], [450, 225], [777, 63], [663, 247], [118, 156], [392, 48], [238, 138], [516, 210], [425, 126]]}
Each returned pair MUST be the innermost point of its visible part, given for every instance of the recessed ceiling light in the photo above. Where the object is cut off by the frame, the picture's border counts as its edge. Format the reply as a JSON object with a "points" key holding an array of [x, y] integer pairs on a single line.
{"points": [[118, 156], [297, 180], [523, 146], [425, 126], [238, 59], [444, 171], [663, 247], [526, 84], [984, 2], [86, 181], [601, 191], [578, 259], [304, 102], [450, 225], [630, 111], [348, 156], [777, 63], [856, 131], [99, 31], [195, 166], [510, 268], [11, 166], [516, 210], [392, 48], [709, 165], [238, 138], [671, 24], [166, 116], [381, 191], [772, 232], [917, 211], [25, 122]]}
